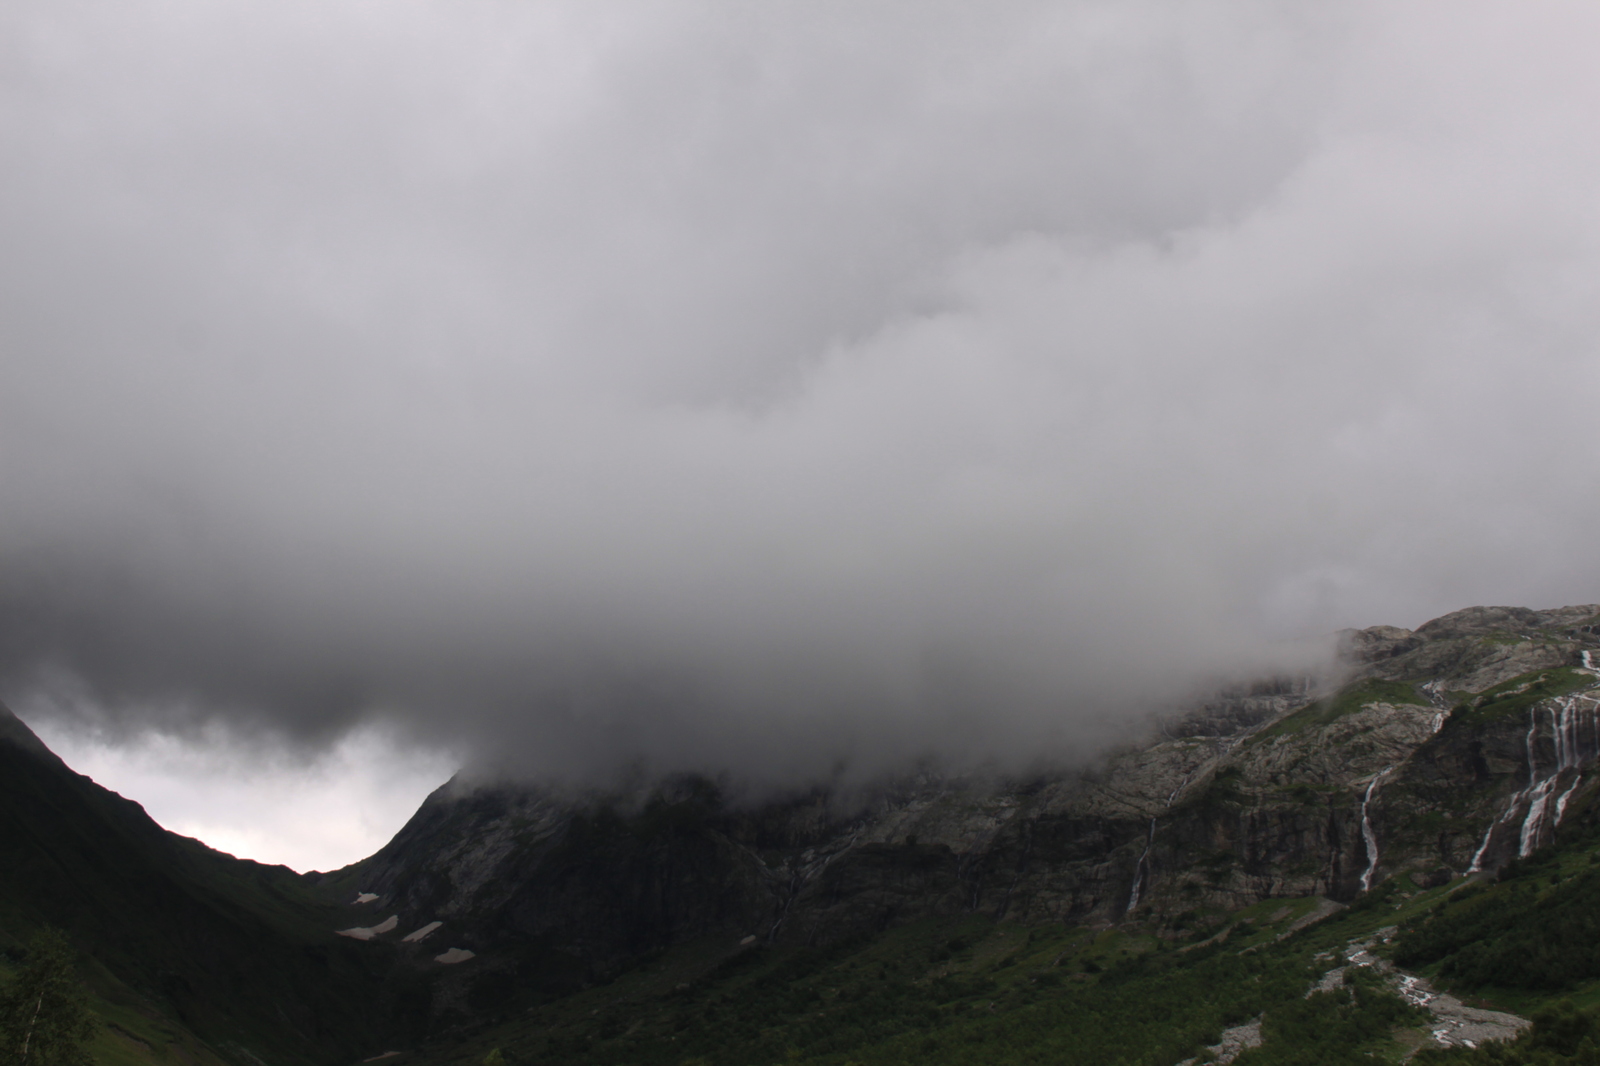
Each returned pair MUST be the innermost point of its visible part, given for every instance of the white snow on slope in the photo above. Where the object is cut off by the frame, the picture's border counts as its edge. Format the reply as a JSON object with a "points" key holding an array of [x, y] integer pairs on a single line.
{"points": [[368, 932], [420, 934]]}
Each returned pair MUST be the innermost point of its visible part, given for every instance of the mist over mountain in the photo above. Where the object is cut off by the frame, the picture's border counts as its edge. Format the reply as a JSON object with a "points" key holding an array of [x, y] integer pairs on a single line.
{"points": [[1277, 853], [780, 389]]}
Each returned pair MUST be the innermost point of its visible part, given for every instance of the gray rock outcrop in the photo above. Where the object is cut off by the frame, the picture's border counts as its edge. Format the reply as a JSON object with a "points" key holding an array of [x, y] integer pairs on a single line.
{"points": [[1275, 790]]}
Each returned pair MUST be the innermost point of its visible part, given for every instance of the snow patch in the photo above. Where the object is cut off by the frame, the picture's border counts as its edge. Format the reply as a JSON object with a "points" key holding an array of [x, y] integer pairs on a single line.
{"points": [[370, 931], [420, 934], [455, 955], [368, 897]]}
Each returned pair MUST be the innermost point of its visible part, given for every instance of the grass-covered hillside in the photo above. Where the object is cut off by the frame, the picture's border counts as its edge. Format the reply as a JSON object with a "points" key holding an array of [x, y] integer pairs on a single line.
{"points": [[181, 944], [970, 990], [1274, 879]]}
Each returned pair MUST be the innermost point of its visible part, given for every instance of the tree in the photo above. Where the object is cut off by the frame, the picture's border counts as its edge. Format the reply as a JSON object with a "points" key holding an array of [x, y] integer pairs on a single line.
{"points": [[44, 1012]]}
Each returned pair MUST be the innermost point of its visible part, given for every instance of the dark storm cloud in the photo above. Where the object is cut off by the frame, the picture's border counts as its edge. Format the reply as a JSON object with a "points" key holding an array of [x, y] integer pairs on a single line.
{"points": [[766, 387]]}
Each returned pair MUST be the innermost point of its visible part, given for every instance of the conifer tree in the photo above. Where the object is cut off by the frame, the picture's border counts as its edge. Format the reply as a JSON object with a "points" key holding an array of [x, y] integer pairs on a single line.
{"points": [[44, 1012]]}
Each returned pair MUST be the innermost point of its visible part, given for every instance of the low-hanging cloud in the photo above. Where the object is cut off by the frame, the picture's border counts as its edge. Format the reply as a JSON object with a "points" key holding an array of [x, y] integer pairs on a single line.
{"points": [[779, 387]]}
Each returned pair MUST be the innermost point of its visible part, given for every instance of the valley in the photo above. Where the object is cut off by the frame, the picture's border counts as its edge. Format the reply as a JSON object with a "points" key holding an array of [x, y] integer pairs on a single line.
{"points": [[1414, 833]]}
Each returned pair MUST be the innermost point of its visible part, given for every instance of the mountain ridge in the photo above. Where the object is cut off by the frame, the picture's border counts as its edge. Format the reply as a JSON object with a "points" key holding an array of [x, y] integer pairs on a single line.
{"points": [[1290, 797], [184, 929], [1432, 755]]}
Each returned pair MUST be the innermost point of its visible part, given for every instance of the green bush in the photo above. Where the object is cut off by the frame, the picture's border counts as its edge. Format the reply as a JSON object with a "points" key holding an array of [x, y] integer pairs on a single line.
{"points": [[44, 1012]]}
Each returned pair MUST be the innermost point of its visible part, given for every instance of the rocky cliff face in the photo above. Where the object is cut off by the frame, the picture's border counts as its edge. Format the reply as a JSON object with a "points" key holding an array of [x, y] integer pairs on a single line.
{"points": [[1455, 746]]}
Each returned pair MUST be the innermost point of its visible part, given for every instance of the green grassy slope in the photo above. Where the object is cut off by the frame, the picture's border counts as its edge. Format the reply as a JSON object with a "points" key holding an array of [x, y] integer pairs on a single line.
{"points": [[965, 991], [1512, 698], [131, 1031], [1347, 701], [1532, 932], [200, 958], [968, 990], [240, 953]]}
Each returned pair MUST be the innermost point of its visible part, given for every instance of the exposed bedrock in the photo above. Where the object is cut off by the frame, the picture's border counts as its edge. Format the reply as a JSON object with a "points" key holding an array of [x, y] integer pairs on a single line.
{"points": [[1405, 760]]}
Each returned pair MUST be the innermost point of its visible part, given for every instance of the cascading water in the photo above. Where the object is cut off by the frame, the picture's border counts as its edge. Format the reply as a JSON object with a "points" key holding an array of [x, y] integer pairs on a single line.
{"points": [[1570, 747], [1575, 733], [1143, 865], [1516, 800], [1567, 725], [1138, 870], [1144, 856], [1367, 833], [1432, 689]]}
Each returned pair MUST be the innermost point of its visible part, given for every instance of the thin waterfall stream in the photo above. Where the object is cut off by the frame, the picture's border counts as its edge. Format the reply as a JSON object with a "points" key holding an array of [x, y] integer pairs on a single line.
{"points": [[1368, 835], [1143, 865], [1144, 856]]}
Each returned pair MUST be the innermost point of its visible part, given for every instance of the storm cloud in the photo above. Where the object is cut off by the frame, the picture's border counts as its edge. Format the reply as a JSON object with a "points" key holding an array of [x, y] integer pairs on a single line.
{"points": [[775, 387]]}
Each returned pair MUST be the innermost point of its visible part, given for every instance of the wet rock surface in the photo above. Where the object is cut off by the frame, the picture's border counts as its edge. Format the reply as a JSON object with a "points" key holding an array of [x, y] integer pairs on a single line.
{"points": [[1234, 1042], [1454, 1023]]}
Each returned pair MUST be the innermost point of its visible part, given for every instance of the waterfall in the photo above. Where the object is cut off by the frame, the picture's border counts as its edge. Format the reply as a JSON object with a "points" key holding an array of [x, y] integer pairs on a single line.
{"points": [[1432, 689], [1516, 800], [1483, 846], [1570, 750], [1367, 834], [1527, 744], [1144, 856], [1567, 720], [1538, 800], [1138, 870], [1575, 733]]}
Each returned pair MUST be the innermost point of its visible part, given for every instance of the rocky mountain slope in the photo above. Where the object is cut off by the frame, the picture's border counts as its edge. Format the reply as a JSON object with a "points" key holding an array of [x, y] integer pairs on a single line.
{"points": [[624, 921], [1435, 752]]}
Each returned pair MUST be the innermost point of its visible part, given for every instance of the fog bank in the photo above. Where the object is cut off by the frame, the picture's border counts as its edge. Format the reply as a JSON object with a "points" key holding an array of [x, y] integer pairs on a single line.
{"points": [[583, 387]]}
